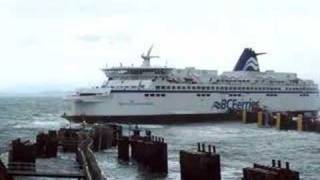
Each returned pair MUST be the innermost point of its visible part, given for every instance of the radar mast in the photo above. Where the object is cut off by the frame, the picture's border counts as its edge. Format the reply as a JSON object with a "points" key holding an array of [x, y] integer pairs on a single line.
{"points": [[146, 58]]}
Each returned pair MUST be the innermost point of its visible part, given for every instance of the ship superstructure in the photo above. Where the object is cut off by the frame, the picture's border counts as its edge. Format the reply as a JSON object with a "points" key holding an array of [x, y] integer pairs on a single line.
{"points": [[150, 94]]}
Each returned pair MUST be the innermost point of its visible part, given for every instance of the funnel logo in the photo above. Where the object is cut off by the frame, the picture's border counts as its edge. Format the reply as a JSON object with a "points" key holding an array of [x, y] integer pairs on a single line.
{"points": [[251, 64], [235, 104], [248, 61]]}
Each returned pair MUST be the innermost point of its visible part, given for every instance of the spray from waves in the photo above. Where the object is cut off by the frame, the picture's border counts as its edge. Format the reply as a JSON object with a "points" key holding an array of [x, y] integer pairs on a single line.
{"points": [[41, 123]]}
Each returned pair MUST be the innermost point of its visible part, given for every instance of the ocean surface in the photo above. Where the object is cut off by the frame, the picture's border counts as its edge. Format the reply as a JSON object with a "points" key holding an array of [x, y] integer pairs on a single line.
{"points": [[240, 145]]}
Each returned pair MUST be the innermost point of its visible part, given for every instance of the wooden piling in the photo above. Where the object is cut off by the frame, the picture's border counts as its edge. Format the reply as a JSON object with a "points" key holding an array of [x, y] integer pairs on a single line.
{"points": [[285, 122], [47, 145], [123, 148], [278, 120], [22, 155], [4, 172], [300, 122], [261, 172], [152, 154], [244, 116], [260, 119], [102, 137], [200, 165]]}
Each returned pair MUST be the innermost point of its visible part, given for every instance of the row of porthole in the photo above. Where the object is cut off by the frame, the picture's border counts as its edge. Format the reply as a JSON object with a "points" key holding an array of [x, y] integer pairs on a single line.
{"points": [[214, 88], [272, 94], [234, 95], [203, 95], [304, 94], [154, 95]]}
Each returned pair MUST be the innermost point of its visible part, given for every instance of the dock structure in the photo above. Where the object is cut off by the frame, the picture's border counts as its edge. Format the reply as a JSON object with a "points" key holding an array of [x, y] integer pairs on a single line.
{"points": [[149, 151], [47, 144], [284, 121], [201, 164], [23, 154], [261, 172], [249, 117], [123, 148]]}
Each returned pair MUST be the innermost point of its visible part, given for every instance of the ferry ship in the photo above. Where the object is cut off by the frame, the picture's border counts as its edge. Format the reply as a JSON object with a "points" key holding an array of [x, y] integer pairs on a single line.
{"points": [[150, 94]]}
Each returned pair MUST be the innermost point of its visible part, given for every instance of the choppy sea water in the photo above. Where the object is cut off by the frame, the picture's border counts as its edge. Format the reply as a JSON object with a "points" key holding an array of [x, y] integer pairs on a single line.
{"points": [[239, 145]]}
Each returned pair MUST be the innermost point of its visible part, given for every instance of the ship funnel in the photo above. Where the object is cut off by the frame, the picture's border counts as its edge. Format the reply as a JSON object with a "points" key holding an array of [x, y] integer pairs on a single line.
{"points": [[248, 61]]}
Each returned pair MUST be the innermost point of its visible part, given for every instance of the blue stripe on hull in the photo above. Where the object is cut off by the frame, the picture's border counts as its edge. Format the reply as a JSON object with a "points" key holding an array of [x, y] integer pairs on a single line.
{"points": [[222, 92], [154, 119]]}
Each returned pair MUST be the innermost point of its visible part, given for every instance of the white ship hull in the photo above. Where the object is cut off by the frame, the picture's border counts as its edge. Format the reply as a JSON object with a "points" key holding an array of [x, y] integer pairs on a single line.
{"points": [[179, 105]]}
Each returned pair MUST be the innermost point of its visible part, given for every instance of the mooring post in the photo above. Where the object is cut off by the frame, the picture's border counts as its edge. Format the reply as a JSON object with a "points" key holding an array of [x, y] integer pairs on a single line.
{"points": [[300, 123], [260, 119], [123, 148]]}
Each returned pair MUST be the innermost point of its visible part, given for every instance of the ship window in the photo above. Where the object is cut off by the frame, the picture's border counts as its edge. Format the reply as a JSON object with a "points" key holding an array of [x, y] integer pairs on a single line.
{"points": [[203, 95], [163, 87], [173, 87], [178, 87], [208, 95], [188, 87], [146, 95], [152, 95], [198, 87], [158, 95], [193, 87], [163, 95], [203, 88], [208, 88], [212, 87], [198, 94], [168, 87], [157, 87]]}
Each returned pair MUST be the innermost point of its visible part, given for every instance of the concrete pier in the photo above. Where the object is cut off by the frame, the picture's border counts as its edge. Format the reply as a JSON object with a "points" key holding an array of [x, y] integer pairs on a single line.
{"points": [[201, 164]]}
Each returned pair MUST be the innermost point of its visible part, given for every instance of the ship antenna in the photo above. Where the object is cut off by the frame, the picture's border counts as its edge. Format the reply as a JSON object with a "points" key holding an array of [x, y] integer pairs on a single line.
{"points": [[148, 57]]}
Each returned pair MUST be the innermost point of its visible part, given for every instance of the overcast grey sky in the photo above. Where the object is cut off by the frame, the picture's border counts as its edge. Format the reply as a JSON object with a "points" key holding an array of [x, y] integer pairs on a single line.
{"points": [[62, 44]]}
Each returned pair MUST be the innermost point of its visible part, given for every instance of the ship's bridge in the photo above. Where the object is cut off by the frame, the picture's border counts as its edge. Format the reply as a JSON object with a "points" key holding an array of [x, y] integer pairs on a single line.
{"points": [[137, 73]]}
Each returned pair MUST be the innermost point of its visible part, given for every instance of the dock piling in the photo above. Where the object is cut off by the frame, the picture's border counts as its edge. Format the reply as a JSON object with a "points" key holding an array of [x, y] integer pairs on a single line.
{"points": [[200, 165]]}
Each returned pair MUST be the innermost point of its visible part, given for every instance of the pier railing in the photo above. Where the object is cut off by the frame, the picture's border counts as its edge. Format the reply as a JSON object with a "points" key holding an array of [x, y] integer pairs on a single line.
{"points": [[88, 161]]}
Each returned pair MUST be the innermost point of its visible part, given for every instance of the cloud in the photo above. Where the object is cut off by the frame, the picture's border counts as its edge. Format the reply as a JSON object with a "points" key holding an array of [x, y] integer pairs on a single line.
{"points": [[68, 41]]}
